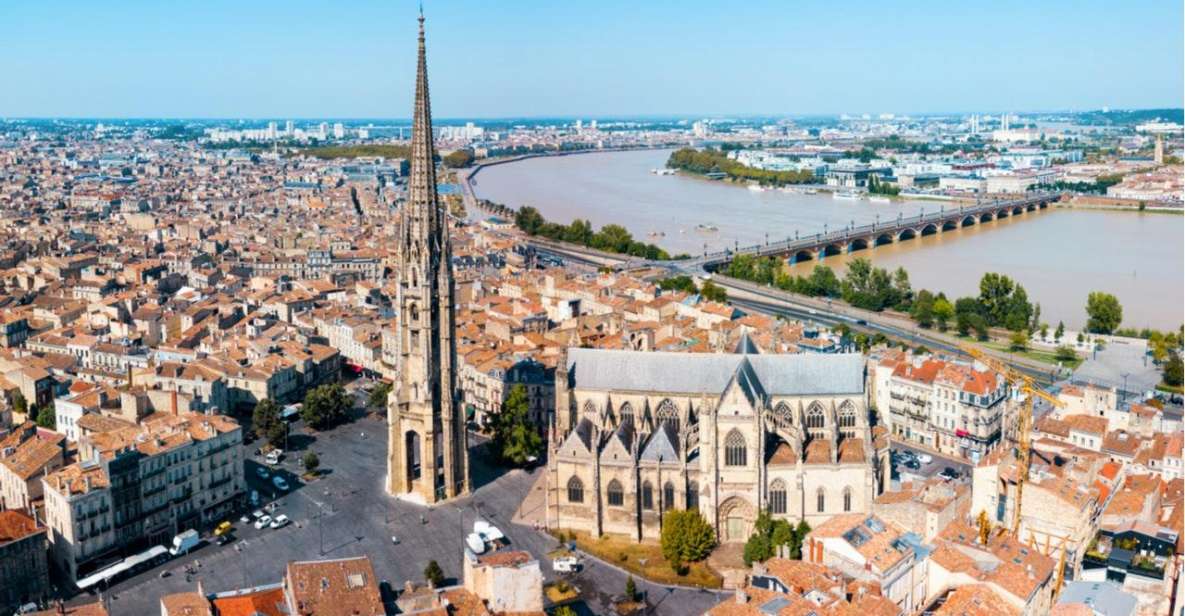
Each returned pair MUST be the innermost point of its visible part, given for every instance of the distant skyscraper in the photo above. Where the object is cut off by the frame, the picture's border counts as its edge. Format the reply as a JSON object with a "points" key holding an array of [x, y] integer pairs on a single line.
{"points": [[339, 130], [323, 130], [288, 127], [427, 453], [592, 125], [271, 130], [579, 126]]}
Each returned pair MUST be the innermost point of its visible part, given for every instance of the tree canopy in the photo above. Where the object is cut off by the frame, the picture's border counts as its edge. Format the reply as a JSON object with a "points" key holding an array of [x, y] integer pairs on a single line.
{"points": [[686, 537], [458, 158], [516, 440], [611, 237], [325, 406], [266, 422], [1104, 313], [717, 161]]}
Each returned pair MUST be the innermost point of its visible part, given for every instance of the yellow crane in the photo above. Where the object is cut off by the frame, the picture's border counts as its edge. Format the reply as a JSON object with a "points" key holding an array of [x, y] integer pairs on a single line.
{"points": [[1023, 437]]}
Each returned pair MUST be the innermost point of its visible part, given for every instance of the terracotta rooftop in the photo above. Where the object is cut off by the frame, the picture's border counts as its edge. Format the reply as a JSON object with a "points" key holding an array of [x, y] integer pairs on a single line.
{"points": [[344, 587], [16, 525], [267, 602]]}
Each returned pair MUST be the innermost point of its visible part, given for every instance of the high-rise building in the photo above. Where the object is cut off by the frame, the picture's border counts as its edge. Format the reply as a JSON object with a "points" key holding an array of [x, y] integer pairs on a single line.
{"points": [[288, 127], [427, 455], [339, 130], [271, 130]]}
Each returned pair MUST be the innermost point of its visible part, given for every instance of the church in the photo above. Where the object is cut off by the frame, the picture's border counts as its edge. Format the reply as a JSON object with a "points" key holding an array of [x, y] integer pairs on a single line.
{"points": [[729, 434]]}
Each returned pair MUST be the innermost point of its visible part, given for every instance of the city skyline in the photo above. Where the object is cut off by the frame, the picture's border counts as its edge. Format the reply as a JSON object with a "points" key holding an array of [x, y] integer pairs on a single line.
{"points": [[138, 60]]}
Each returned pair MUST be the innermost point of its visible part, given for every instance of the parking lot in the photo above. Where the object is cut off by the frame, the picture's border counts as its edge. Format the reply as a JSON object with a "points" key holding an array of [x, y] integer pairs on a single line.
{"points": [[347, 513], [906, 470]]}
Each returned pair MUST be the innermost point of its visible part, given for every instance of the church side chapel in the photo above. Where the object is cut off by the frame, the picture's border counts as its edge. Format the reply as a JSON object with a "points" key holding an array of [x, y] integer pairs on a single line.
{"points": [[730, 434]]}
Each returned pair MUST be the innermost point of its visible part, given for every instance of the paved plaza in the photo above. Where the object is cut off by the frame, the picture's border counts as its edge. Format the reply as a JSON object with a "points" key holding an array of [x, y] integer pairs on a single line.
{"points": [[347, 513]]}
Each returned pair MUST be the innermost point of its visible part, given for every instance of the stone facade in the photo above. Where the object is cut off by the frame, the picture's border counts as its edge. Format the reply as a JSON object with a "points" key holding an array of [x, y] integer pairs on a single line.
{"points": [[638, 433], [427, 453]]}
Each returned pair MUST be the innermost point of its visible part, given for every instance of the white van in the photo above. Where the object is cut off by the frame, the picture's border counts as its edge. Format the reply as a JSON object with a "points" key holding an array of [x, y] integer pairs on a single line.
{"points": [[566, 564]]}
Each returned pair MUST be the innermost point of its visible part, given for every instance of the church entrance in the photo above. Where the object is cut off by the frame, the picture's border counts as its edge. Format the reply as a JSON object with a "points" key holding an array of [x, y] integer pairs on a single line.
{"points": [[736, 519], [411, 448]]}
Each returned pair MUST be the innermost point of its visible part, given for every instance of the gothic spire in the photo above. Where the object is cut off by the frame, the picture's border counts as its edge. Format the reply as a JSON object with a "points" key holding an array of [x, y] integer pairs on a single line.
{"points": [[422, 183]]}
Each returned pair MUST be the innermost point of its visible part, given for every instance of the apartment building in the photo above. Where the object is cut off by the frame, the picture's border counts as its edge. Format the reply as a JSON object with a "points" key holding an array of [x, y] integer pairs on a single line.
{"points": [[139, 485], [955, 408], [24, 572], [866, 548]]}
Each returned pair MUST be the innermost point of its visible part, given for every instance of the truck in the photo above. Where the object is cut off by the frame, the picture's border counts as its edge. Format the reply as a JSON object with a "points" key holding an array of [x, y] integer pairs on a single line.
{"points": [[185, 542]]}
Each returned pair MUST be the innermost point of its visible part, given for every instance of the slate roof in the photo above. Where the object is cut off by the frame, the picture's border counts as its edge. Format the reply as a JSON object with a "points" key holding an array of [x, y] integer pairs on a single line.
{"points": [[662, 445], [710, 373]]}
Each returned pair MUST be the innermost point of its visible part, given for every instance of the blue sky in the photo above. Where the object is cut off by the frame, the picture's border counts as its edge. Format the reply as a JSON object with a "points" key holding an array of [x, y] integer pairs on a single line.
{"points": [[355, 58]]}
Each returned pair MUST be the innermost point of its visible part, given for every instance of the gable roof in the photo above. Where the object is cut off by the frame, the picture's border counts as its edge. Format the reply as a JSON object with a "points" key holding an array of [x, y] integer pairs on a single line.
{"points": [[709, 373]]}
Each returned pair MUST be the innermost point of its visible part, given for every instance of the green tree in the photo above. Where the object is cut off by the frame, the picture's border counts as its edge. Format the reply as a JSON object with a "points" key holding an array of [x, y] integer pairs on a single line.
{"points": [[564, 610], [823, 282], [631, 589], [923, 309], [1173, 374], [529, 220], [1059, 332], [311, 462], [757, 549], [516, 440], [19, 404], [943, 313], [378, 395], [902, 292], [266, 422], [1103, 311], [46, 416], [1065, 353], [686, 537], [980, 325], [458, 158], [434, 574], [325, 406], [1019, 341], [713, 292], [868, 287], [681, 282]]}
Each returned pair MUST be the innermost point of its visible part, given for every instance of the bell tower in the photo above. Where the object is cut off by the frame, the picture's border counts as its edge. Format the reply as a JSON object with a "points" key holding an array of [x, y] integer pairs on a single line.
{"points": [[428, 459]]}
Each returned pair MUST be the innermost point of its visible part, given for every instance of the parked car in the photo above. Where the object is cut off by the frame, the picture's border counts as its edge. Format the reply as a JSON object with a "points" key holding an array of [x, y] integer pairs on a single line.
{"points": [[279, 521], [925, 458], [566, 564], [222, 528], [280, 484], [254, 498], [274, 456], [262, 472], [263, 522], [257, 514], [949, 473], [911, 464]]}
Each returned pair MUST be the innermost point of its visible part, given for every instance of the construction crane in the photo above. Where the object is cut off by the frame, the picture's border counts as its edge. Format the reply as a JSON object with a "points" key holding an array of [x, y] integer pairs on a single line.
{"points": [[1023, 437]]}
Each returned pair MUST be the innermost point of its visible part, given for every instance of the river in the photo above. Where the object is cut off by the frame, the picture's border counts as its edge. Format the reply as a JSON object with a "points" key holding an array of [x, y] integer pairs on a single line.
{"points": [[1059, 255]]}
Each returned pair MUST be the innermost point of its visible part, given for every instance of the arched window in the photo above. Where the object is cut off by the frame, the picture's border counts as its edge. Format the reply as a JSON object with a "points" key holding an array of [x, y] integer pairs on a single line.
{"points": [[668, 413], [814, 416], [734, 449], [777, 497], [627, 413], [413, 314], [575, 490], [847, 414], [668, 496], [783, 415], [590, 409], [820, 501], [647, 496], [847, 499], [692, 496], [614, 495]]}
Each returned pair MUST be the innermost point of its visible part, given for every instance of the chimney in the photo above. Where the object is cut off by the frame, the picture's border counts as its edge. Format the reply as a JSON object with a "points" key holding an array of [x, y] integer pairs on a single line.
{"points": [[131, 380], [741, 597], [173, 402]]}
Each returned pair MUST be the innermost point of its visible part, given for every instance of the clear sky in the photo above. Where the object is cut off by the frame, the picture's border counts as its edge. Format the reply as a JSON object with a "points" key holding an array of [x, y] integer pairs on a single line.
{"points": [[501, 58]]}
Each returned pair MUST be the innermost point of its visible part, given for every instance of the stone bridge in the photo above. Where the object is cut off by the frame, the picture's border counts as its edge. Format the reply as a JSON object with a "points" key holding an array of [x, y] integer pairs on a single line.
{"points": [[819, 246]]}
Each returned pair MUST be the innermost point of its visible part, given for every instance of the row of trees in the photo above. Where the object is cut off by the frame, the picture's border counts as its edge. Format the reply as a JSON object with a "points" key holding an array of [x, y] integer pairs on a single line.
{"points": [[863, 286], [611, 238], [710, 290], [717, 161], [770, 534], [324, 407]]}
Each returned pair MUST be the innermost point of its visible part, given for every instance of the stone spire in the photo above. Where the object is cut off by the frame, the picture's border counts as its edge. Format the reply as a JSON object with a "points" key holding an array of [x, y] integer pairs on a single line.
{"points": [[428, 457]]}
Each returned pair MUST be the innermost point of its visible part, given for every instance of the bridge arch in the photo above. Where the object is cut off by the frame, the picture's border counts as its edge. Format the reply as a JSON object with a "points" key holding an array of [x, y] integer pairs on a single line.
{"points": [[985, 217], [1042, 205], [830, 250], [906, 234], [1032, 207], [968, 221], [859, 243], [801, 256], [1004, 213], [950, 225], [884, 238], [930, 229], [1018, 210]]}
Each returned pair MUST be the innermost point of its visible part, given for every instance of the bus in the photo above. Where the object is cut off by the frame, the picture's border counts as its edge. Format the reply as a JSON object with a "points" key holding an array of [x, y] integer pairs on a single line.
{"points": [[124, 569]]}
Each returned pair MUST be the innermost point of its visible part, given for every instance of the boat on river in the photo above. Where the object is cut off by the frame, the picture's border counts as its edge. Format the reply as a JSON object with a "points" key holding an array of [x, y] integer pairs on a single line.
{"points": [[846, 195]]}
